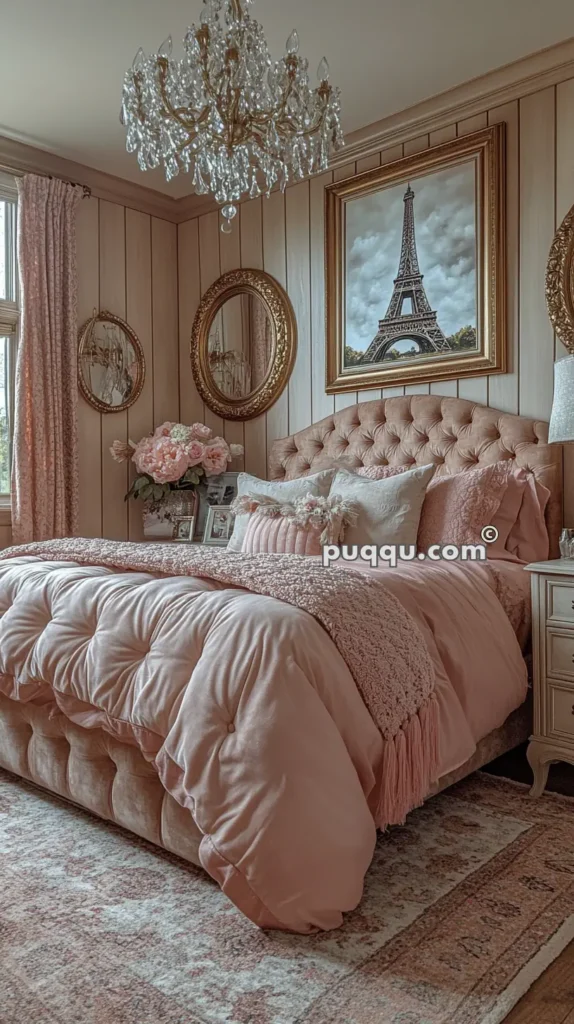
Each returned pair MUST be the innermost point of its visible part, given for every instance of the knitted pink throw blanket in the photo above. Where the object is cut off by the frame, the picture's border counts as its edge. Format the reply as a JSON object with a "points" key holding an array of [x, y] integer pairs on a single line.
{"points": [[378, 639]]}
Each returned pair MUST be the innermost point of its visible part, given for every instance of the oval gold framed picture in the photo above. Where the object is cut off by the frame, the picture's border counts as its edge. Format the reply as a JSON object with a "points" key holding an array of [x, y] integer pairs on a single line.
{"points": [[111, 363]]}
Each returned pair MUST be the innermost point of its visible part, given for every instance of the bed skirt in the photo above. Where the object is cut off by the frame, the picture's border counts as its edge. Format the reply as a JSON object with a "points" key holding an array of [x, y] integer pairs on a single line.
{"points": [[90, 768]]}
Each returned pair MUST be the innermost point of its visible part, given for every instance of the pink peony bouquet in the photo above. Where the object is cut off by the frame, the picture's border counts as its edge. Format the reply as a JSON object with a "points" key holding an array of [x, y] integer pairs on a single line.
{"points": [[174, 458]]}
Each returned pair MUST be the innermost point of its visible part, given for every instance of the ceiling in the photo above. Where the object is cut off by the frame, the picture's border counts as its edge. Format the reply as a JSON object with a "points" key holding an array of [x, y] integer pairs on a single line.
{"points": [[63, 60]]}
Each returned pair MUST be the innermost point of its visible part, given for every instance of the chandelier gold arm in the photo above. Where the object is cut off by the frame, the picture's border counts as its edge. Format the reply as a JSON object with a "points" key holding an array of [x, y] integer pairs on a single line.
{"points": [[138, 77], [194, 122], [191, 124]]}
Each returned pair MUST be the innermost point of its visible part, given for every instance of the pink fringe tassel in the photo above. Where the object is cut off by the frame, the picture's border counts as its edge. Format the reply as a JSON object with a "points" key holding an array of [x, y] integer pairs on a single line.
{"points": [[409, 767]]}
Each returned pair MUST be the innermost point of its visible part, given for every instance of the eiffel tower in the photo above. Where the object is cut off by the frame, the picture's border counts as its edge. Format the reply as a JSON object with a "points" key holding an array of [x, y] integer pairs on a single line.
{"points": [[419, 322]]}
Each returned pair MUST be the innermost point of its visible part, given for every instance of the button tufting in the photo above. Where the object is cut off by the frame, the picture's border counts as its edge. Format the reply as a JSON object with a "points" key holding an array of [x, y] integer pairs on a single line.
{"points": [[231, 727]]}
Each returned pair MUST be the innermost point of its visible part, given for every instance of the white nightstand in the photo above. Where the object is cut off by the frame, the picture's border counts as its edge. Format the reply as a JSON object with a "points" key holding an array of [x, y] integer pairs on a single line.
{"points": [[553, 665]]}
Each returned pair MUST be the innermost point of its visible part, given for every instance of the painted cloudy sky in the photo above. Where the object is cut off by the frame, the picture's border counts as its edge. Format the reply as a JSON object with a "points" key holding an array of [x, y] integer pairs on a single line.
{"points": [[445, 234]]}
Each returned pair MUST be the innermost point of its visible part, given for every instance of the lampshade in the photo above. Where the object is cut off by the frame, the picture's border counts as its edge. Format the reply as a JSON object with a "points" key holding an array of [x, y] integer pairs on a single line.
{"points": [[562, 415]]}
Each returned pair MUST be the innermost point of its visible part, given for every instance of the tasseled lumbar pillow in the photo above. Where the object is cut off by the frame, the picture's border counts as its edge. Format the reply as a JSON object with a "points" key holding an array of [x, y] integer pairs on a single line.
{"points": [[296, 527]]}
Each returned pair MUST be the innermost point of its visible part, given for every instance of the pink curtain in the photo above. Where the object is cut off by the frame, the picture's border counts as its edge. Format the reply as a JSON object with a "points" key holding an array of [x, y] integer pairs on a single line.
{"points": [[45, 452]]}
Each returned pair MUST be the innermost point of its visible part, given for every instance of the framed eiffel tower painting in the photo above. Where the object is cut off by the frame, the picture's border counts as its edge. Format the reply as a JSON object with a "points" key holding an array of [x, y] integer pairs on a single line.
{"points": [[415, 267]]}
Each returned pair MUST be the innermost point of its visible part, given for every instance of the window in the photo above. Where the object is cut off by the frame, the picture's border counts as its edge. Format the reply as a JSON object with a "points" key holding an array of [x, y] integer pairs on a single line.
{"points": [[8, 326]]}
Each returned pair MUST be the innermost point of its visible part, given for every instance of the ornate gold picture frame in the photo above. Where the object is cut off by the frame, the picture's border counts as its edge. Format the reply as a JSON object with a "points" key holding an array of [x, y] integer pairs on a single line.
{"points": [[416, 267], [233, 378], [560, 282]]}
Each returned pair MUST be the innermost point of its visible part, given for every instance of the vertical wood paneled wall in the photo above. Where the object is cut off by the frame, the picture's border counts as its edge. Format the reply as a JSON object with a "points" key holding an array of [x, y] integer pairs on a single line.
{"points": [[127, 263], [153, 273], [284, 235]]}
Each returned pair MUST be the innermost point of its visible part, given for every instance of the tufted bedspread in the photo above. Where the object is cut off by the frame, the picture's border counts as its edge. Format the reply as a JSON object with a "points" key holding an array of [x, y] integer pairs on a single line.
{"points": [[247, 709]]}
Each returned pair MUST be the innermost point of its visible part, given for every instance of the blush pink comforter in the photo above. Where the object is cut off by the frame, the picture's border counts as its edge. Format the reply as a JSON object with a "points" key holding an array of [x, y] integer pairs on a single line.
{"points": [[249, 712]]}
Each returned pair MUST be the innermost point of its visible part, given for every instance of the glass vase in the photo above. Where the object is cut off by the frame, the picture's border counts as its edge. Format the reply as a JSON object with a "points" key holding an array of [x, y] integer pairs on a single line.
{"points": [[567, 544], [159, 516]]}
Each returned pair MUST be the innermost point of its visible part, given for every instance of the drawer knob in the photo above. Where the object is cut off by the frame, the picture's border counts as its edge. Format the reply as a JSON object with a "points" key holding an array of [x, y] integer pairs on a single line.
{"points": [[573, 709], [573, 606]]}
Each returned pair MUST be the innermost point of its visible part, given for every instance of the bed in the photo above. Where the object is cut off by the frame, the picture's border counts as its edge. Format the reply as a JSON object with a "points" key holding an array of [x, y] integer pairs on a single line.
{"points": [[112, 777]]}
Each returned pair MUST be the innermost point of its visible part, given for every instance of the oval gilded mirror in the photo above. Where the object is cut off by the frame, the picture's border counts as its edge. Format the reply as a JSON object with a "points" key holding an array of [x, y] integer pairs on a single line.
{"points": [[111, 363], [243, 344], [560, 282]]}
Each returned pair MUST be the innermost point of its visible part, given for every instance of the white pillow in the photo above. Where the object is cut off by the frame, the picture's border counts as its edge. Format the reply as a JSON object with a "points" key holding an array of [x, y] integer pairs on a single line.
{"points": [[319, 484], [390, 509]]}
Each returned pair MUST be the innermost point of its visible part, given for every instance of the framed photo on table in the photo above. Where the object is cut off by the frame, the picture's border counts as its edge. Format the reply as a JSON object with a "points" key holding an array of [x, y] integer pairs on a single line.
{"points": [[218, 525], [183, 529], [219, 490]]}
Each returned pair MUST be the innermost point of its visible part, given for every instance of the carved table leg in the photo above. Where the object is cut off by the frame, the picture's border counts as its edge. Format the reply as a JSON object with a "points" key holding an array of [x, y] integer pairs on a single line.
{"points": [[540, 761]]}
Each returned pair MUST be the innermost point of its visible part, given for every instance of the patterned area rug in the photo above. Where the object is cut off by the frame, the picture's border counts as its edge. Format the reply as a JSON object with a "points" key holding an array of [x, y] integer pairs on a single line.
{"points": [[463, 908]]}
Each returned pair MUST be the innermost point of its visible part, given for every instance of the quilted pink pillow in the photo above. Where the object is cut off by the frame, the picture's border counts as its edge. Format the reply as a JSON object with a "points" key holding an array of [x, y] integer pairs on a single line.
{"points": [[458, 506], [280, 535]]}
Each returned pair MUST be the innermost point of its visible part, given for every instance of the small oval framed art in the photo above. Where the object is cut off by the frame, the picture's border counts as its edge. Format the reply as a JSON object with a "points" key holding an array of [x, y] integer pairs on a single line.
{"points": [[111, 363]]}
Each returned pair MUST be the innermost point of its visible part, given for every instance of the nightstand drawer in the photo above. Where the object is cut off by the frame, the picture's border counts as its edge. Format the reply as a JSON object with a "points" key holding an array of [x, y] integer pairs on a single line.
{"points": [[560, 654], [559, 601], [560, 710]]}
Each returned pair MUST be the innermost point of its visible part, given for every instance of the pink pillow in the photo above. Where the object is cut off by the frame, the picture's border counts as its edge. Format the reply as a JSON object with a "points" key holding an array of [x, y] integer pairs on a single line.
{"points": [[280, 535], [458, 506], [519, 517], [508, 511], [299, 527], [528, 539]]}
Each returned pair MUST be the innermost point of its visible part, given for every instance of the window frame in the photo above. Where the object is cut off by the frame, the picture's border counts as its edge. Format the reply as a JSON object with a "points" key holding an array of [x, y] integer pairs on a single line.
{"points": [[10, 311]]}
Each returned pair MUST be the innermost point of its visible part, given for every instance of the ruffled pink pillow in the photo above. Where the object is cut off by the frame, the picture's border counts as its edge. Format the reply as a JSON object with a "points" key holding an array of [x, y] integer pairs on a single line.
{"points": [[457, 507], [279, 535], [296, 527]]}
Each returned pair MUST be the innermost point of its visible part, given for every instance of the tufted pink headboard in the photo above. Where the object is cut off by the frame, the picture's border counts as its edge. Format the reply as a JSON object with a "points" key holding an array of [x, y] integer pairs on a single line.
{"points": [[420, 429]]}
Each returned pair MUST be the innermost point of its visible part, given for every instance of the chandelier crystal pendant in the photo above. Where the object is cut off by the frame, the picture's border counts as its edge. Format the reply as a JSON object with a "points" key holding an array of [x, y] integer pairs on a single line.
{"points": [[237, 121]]}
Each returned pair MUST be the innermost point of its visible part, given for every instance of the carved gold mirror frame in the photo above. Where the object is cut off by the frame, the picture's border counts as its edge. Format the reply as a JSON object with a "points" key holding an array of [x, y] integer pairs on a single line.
{"points": [[560, 282], [280, 311], [85, 335]]}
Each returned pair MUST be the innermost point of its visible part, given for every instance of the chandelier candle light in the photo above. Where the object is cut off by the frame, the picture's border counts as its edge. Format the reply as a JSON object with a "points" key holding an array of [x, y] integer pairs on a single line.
{"points": [[239, 122]]}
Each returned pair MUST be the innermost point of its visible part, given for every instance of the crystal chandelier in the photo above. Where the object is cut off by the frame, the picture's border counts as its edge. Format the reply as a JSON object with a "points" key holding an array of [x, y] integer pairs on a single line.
{"points": [[239, 122]]}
